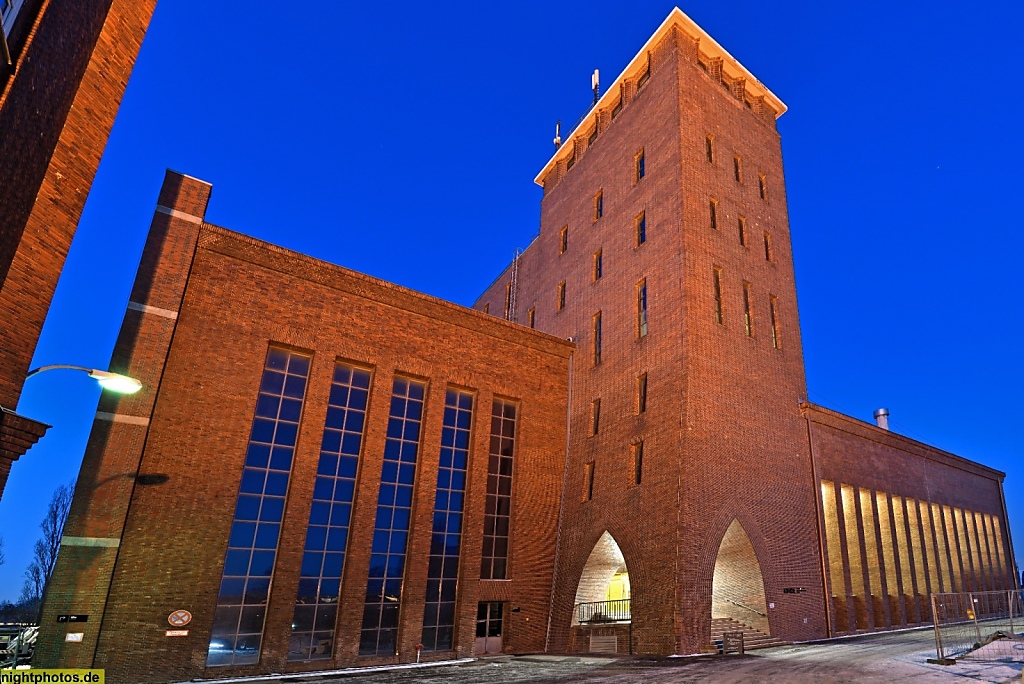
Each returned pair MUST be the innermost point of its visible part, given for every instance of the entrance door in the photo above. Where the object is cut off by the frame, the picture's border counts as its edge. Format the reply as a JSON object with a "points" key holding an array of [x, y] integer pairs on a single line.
{"points": [[488, 629]]}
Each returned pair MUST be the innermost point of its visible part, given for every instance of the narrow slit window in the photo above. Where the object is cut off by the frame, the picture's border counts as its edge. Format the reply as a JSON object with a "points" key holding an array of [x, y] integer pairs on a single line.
{"points": [[717, 285], [530, 316], [595, 416], [508, 299], [713, 214], [598, 265], [762, 188], [637, 457], [641, 228], [487, 307], [639, 170], [641, 308], [597, 338], [641, 393], [741, 224], [645, 76], [748, 317], [561, 295], [570, 161], [767, 247], [563, 240], [598, 205], [588, 481], [773, 306], [737, 169], [709, 149], [593, 137]]}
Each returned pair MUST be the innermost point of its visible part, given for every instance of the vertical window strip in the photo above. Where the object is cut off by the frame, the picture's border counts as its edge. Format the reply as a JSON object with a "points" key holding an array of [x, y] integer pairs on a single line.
{"points": [[641, 308], [588, 481], [597, 338], [748, 318], [641, 228], [316, 602], [767, 247], [741, 223], [713, 213], [598, 205], [709, 149], [762, 187], [391, 530], [595, 416], [717, 286], [530, 316], [737, 171], [563, 240], [637, 449], [561, 295], [237, 634], [446, 537], [641, 393], [773, 311], [598, 265], [639, 167], [498, 505]]}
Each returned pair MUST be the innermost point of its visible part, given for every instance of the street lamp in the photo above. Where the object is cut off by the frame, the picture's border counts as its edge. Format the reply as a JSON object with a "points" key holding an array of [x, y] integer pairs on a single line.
{"points": [[115, 382]]}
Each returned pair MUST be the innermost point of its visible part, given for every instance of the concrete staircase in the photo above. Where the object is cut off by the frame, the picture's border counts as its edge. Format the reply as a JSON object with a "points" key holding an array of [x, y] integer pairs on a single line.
{"points": [[751, 637]]}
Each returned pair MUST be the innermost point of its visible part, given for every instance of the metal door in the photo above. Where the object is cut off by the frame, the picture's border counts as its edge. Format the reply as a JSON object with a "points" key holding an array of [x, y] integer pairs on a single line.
{"points": [[488, 628]]}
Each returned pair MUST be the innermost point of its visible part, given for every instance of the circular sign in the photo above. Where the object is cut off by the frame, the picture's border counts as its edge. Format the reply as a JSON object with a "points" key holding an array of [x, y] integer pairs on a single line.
{"points": [[180, 618]]}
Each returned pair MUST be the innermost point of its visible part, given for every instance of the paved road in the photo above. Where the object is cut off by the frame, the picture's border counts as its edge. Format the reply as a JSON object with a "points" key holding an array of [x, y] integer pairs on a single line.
{"points": [[889, 657]]}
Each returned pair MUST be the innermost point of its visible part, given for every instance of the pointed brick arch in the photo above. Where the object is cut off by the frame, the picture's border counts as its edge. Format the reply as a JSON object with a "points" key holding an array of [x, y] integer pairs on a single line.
{"points": [[605, 561], [738, 590]]}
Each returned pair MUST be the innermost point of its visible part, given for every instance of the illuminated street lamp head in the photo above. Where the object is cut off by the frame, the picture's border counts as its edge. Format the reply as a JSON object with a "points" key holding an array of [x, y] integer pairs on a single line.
{"points": [[115, 382]]}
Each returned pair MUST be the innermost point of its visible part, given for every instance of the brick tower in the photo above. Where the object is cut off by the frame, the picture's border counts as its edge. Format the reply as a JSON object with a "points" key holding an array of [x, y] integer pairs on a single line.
{"points": [[664, 250]]}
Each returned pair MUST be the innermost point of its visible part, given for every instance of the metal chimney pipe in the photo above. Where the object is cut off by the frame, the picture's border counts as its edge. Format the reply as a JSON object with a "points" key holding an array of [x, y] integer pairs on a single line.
{"points": [[882, 418]]}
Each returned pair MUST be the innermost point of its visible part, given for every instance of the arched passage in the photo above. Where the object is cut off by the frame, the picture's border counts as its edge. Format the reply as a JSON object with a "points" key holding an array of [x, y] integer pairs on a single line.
{"points": [[737, 589], [603, 591]]}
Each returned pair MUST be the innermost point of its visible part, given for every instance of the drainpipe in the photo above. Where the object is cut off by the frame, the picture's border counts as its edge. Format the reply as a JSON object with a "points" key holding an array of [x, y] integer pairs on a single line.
{"points": [[816, 490], [561, 503]]}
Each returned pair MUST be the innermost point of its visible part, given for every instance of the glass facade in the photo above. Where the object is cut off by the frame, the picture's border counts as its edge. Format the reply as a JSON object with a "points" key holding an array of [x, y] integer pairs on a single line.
{"points": [[316, 603], [237, 633], [391, 530], [498, 506], [446, 539]]}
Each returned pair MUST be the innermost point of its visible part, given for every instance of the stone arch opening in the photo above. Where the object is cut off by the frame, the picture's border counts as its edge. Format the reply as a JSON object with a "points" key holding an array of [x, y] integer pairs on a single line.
{"points": [[737, 588], [603, 593]]}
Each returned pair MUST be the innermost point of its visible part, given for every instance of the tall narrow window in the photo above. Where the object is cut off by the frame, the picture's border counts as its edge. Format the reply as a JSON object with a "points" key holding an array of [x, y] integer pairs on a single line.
{"points": [[717, 284], [598, 265], [641, 393], [595, 416], [641, 308], [748, 318], [597, 338], [598, 205], [391, 530], [639, 170], [563, 240], [737, 170], [641, 228], [316, 603], [741, 224], [762, 188], [446, 537], [508, 299], [588, 481], [237, 633], [561, 295], [637, 457], [713, 214], [487, 307], [767, 247], [570, 160], [773, 305], [531, 316], [709, 149], [498, 505]]}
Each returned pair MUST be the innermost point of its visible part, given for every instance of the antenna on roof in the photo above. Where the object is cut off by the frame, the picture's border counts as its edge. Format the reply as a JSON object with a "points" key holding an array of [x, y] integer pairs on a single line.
{"points": [[595, 83], [558, 134]]}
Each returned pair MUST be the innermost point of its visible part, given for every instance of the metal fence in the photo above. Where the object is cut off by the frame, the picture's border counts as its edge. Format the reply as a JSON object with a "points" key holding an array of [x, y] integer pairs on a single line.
{"points": [[985, 625], [603, 611]]}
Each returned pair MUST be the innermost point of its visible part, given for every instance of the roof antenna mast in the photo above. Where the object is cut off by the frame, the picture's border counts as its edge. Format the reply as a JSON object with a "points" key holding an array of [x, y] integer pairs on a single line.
{"points": [[558, 134], [595, 84]]}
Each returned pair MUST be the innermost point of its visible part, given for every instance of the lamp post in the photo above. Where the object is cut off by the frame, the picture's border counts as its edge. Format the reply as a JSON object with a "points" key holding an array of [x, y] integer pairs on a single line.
{"points": [[115, 382]]}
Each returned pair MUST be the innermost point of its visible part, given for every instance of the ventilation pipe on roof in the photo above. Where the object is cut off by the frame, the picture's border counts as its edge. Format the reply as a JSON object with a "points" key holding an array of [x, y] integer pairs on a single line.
{"points": [[882, 418]]}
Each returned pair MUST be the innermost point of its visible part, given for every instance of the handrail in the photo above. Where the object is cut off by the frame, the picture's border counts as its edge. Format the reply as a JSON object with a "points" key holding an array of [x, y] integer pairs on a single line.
{"points": [[746, 607], [617, 610]]}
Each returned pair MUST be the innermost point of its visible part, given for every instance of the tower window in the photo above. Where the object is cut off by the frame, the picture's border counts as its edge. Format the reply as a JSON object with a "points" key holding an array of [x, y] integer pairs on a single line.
{"points": [[638, 166], [597, 338], [737, 170], [588, 481], [713, 213], [508, 299], [561, 295], [598, 205], [530, 315], [741, 223], [563, 240], [641, 393], [598, 265], [773, 304], [748, 318], [717, 285], [595, 416], [641, 308], [762, 188], [767, 247], [641, 228], [637, 457], [709, 149], [487, 307]]}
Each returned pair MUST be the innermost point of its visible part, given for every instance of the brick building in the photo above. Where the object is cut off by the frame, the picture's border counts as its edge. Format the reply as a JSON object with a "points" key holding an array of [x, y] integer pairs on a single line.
{"points": [[306, 434], [63, 70]]}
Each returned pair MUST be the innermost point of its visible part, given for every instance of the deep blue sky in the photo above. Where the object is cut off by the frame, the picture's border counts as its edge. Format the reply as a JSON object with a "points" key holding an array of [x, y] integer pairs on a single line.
{"points": [[401, 139]]}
